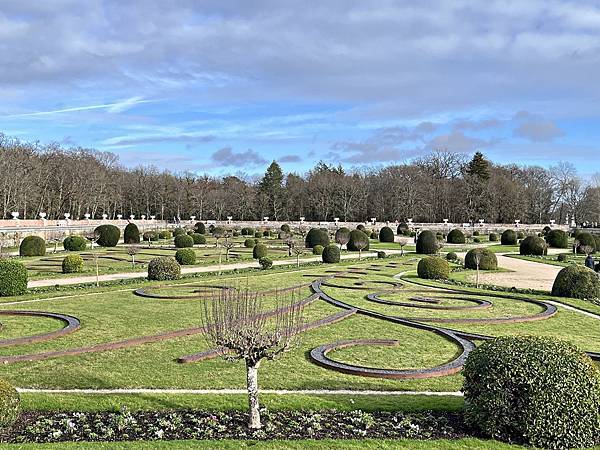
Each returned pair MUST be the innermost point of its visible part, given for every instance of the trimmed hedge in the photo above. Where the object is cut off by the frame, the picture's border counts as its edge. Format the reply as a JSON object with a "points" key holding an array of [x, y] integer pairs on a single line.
{"points": [[258, 235], [356, 237], [562, 257], [508, 237], [249, 243], [200, 228], [164, 268], [260, 251], [493, 237], [247, 231], [361, 227], [427, 243], [10, 404], [184, 241], [108, 235], [186, 256], [488, 260], [198, 238], [456, 237], [165, 234], [316, 236], [178, 231], [131, 235], [535, 391], [318, 250], [533, 245], [72, 264], [386, 234], [557, 239], [265, 263], [586, 240], [433, 268], [13, 278], [266, 233], [32, 246], [374, 235], [577, 282], [75, 243], [331, 254]]}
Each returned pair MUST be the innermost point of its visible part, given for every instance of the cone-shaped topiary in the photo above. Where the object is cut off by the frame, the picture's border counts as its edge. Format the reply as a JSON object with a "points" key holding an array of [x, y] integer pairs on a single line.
{"points": [[13, 278], [32, 246], [184, 241], [433, 268], [557, 239], [534, 246], [456, 237], [386, 234], [131, 235], [331, 254], [427, 243], [487, 259], [108, 235], [316, 236], [358, 241], [260, 251], [508, 237], [577, 282], [75, 243]]}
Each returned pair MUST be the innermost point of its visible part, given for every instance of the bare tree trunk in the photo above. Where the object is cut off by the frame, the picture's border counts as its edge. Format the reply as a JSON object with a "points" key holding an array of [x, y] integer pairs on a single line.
{"points": [[253, 405]]}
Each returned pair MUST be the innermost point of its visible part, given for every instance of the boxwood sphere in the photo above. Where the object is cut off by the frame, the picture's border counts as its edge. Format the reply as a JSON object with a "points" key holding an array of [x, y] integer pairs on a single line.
{"points": [[557, 239], [493, 237], [508, 237], [356, 237], [108, 235], [318, 250], [535, 391], [316, 236], [32, 246], [451, 256], [427, 243], [200, 228], [381, 254], [13, 278], [386, 234], [10, 404], [433, 268], [186, 256], [488, 260], [586, 240], [533, 245], [198, 238], [456, 237], [131, 235], [260, 251], [184, 241], [331, 254], [164, 268], [246, 231], [265, 263], [72, 264], [249, 243], [74, 243], [577, 282]]}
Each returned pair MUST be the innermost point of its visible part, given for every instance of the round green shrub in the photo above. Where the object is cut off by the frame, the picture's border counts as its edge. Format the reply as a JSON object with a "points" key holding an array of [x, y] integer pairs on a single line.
{"points": [[265, 263], [493, 237], [184, 241], [164, 268], [186, 256], [361, 227], [258, 235], [10, 404], [266, 233], [386, 234], [318, 250], [249, 243], [198, 238], [190, 233], [433, 268], [381, 255], [200, 228], [586, 240], [108, 235], [577, 282], [546, 230], [150, 236], [427, 243], [487, 259], [451, 256], [260, 251], [358, 239], [456, 236], [508, 237], [476, 240], [374, 235], [316, 236], [246, 231], [72, 264], [178, 232], [562, 257], [75, 243], [131, 235], [403, 229], [331, 254], [32, 246], [235, 233], [520, 235], [476, 233], [285, 228], [557, 239], [13, 278], [533, 245], [535, 391], [165, 235]]}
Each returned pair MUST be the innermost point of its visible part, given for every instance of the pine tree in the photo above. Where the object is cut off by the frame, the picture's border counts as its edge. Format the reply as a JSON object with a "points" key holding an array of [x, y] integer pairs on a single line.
{"points": [[270, 189], [479, 167], [477, 177]]}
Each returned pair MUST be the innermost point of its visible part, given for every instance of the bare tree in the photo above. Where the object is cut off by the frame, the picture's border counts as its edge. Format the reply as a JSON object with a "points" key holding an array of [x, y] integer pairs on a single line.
{"points": [[342, 236], [227, 245], [478, 257], [133, 250], [403, 243], [298, 250], [237, 324], [360, 242], [289, 240]]}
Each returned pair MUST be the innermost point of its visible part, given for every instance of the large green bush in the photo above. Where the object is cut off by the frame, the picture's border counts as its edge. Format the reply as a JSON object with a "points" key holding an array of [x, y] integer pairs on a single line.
{"points": [[456, 236], [164, 268], [10, 404], [260, 251], [331, 254], [487, 259], [316, 236], [557, 239], [108, 235], [131, 235], [585, 240], [433, 268], [200, 228], [198, 239], [72, 264], [32, 246], [358, 239], [186, 256], [533, 245], [184, 241], [386, 234], [75, 243], [577, 282], [427, 243], [13, 278], [535, 391], [508, 237]]}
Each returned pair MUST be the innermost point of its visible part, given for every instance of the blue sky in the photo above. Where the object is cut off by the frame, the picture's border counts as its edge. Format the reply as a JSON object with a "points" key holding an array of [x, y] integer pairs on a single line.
{"points": [[225, 87]]}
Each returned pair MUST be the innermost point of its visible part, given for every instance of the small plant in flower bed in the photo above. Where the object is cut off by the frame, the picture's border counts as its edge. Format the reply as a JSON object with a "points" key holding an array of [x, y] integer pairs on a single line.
{"points": [[295, 424]]}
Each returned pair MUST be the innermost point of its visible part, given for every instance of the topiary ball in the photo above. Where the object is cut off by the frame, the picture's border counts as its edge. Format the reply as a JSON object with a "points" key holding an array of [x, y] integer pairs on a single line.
{"points": [[178, 231], [131, 235], [381, 255], [358, 241], [451, 256], [562, 257], [577, 282], [32, 246], [318, 250], [10, 404], [164, 268], [427, 243], [585, 240], [557, 239], [249, 243], [403, 229], [535, 391], [487, 259], [198, 239], [72, 264], [108, 235], [361, 227], [13, 278], [508, 237], [285, 228], [186, 256], [433, 268], [184, 241], [265, 263], [258, 235], [386, 234], [316, 236], [456, 236], [493, 237], [200, 228], [374, 235], [75, 243], [259, 251], [331, 254], [533, 246], [476, 233]]}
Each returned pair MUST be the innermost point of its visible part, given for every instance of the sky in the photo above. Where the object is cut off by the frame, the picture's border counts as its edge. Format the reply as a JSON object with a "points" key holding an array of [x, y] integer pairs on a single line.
{"points": [[227, 86]]}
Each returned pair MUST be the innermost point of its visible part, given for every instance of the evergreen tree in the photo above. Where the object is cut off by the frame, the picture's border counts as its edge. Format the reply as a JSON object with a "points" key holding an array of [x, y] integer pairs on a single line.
{"points": [[270, 189], [479, 167], [477, 176]]}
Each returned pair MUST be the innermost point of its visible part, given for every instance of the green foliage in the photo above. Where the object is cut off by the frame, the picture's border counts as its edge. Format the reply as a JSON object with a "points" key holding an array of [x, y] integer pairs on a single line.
{"points": [[108, 235], [267, 233], [563, 257], [265, 263], [577, 282], [260, 251], [200, 228], [374, 234], [381, 255], [361, 227], [508, 237], [316, 236], [246, 231], [386, 234], [164, 268], [285, 228], [165, 234], [131, 235], [487, 259], [433, 268], [186, 256], [318, 250], [451, 256], [178, 231], [479, 167], [10, 404], [534, 391], [270, 188], [258, 235], [331, 254], [13, 278], [358, 240], [32, 246], [456, 236], [427, 243], [190, 232], [184, 241], [198, 238], [520, 235], [403, 229], [476, 240], [476, 233], [546, 230], [557, 239], [72, 264], [150, 236], [75, 243], [533, 245], [585, 240], [211, 228], [493, 237], [249, 243]]}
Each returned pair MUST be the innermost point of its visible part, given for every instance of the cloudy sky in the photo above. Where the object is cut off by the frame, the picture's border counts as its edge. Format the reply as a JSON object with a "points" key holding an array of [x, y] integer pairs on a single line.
{"points": [[227, 86]]}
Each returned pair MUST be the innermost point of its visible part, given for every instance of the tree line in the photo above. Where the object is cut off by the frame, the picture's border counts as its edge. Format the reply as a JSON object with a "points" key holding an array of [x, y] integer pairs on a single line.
{"points": [[442, 185]]}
